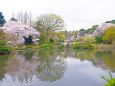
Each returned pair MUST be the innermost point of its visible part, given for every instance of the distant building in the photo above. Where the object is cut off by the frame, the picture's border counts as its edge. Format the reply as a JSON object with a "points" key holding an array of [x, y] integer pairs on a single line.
{"points": [[82, 33]]}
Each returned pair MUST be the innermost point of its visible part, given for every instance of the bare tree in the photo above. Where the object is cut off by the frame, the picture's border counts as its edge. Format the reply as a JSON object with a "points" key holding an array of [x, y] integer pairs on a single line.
{"points": [[24, 18]]}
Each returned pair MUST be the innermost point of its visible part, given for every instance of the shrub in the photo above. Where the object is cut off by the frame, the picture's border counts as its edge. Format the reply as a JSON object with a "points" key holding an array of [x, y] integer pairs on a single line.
{"points": [[84, 42], [41, 40], [28, 40], [51, 40], [85, 46], [76, 46], [49, 43], [24, 47], [111, 81], [29, 46], [2, 42], [82, 45], [4, 50], [46, 46], [21, 48], [99, 39], [11, 48], [58, 43]]}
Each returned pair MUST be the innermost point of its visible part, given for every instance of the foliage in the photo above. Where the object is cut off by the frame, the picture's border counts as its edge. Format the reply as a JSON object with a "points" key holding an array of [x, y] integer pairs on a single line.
{"points": [[41, 40], [99, 39], [24, 47], [2, 20], [87, 39], [51, 40], [29, 46], [74, 33], [82, 30], [100, 30], [46, 46], [4, 50], [17, 31], [112, 21], [2, 35], [84, 45], [28, 40], [91, 30], [76, 45], [47, 23], [2, 42], [61, 36], [84, 42], [21, 48], [57, 43], [111, 81], [109, 34]]}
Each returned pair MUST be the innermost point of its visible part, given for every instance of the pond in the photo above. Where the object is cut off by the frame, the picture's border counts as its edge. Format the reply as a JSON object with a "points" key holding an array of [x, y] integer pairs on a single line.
{"points": [[52, 67]]}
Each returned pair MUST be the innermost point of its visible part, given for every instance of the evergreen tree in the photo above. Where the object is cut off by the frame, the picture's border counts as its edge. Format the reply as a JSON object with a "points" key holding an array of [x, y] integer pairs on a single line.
{"points": [[112, 21], [2, 20]]}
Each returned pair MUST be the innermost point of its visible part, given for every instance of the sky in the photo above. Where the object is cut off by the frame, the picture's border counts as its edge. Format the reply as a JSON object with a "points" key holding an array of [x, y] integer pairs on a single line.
{"points": [[77, 14]]}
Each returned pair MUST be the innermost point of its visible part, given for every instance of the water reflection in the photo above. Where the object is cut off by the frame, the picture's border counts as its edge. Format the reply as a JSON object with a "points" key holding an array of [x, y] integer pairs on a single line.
{"points": [[46, 66], [23, 65], [3, 61], [51, 65], [100, 58]]}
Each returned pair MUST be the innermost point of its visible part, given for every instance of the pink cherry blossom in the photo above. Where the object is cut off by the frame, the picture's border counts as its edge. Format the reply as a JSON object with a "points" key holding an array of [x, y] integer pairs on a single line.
{"points": [[20, 30], [101, 29]]}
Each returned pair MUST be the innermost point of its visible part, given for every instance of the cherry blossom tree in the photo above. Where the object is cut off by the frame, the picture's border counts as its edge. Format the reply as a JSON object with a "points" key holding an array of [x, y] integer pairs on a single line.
{"points": [[101, 29], [18, 31]]}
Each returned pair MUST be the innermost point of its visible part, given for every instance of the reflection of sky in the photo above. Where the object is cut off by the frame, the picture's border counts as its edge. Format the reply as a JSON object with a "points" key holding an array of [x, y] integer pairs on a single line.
{"points": [[79, 73]]}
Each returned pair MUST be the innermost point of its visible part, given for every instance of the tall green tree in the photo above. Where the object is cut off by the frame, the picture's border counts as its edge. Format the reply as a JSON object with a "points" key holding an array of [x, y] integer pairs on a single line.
{"points": [[99, 39], [47, 23], [110, 35], [91, 30], [2, 20]]}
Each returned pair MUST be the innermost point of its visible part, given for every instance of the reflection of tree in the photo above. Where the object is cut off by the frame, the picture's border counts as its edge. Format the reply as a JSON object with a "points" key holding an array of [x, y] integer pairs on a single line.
{"points": [[52, 66], [109, 59], [68, 52], [3, 60], [46, 65], [84, 54], [100, 58], [20, 68]]}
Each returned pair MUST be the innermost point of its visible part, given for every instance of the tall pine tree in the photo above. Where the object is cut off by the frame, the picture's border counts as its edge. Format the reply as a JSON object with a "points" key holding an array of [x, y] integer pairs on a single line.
{"points": [[2, 20]]}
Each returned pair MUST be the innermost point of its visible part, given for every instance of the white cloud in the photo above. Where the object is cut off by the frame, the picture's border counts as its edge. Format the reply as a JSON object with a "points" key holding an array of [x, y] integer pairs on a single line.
{"points": [[76, 13]]}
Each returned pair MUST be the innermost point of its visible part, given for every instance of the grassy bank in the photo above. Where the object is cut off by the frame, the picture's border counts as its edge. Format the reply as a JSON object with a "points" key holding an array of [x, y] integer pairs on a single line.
{"points": [[45, 46], [6, 50], [76, 46]]}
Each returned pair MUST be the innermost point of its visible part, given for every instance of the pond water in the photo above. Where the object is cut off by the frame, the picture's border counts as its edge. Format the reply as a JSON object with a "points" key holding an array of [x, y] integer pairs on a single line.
{"points": [[52, 67]]}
